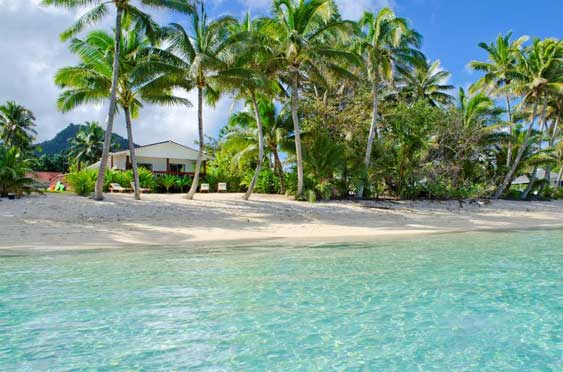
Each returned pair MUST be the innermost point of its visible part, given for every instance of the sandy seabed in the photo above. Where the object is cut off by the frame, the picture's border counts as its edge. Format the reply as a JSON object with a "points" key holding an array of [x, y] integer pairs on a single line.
{"points": [[64, 221]]}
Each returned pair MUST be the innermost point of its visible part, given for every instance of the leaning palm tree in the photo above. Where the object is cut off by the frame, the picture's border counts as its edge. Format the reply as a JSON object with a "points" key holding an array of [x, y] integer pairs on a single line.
{"points": [[17, 126], [385, 41], [255, 57], [536, 77], [90, 81], [498, 71], [306, 35], [86, 146], [201, 55], [100, 8], [425, 81]]}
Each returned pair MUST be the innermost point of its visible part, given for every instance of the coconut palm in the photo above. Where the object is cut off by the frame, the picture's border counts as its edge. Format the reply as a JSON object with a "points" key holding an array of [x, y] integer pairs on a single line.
{"points": [[17, 126], [86, 146], [385, 41], [99, 9], [90, 81], [537, 76], [305, 35], [201, 55], [254, 60], [241, 135], [498, 71], [425, 81]]}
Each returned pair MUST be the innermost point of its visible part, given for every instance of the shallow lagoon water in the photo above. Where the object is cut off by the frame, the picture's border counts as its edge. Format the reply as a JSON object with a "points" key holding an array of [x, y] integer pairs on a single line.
{"points": [[475, 301]]}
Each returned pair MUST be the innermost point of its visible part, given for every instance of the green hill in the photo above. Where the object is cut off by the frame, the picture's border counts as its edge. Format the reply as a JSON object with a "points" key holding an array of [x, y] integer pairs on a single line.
{"points": [[61, 142]]}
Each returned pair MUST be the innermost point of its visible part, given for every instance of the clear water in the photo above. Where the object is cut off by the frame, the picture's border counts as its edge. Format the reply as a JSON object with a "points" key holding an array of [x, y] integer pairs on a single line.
{"points": [[491, 302]]}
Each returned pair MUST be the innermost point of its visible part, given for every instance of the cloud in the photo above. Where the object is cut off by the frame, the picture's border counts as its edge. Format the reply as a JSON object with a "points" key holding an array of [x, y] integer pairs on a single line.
{"points": [[32, 53], [353, 9], [350, 9]]}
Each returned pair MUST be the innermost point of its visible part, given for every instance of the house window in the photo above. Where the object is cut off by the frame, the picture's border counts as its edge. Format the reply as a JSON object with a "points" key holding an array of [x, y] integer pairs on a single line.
{"points": [[145, 165], [176, 167]]}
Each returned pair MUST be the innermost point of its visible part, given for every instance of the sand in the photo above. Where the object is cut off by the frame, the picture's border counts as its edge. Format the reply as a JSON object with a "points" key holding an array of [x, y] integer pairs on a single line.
{"points": [[64, 221]]}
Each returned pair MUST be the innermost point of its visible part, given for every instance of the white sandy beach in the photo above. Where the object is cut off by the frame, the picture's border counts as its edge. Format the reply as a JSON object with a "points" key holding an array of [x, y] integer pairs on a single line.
{"points": [[63, 221]]}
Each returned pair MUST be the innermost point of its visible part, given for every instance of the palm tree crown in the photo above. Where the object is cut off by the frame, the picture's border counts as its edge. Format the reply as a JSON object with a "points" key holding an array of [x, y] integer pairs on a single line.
{"points": [[17, 126]]}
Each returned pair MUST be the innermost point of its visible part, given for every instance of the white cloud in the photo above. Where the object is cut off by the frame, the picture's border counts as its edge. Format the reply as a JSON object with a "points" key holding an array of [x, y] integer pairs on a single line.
{"points": [[32, 53], [350, 9], [353, 9]]}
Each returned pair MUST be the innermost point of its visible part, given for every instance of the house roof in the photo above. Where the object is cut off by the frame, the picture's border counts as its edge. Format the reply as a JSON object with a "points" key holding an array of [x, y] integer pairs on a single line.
{"points": [[540, 175], [140, 149]]}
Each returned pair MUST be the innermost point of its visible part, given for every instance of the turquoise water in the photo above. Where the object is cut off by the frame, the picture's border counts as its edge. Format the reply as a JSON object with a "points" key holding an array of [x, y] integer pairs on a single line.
{"points": [[491, 302]]}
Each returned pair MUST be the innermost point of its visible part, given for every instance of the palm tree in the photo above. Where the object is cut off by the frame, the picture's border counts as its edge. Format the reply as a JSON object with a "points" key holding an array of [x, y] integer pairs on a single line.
{"points": [[86, 146], [304, 34], [254, 57], [90, 81], [498, 71], [427, 82], [201, 55], [385, 42], [242, 137], [100, 8], [538, 75], [17, 126]]}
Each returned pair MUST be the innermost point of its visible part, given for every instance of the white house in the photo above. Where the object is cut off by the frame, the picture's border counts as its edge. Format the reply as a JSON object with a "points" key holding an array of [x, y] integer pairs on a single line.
{"points": [[166, 157]]}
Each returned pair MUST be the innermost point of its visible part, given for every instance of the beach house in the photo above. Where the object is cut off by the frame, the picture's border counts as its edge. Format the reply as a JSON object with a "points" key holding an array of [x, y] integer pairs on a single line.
{"points": [[166, 157]]}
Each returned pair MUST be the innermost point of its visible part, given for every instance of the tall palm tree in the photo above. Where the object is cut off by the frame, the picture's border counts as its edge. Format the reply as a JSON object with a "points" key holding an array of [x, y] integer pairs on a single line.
{"points": [[201, 55], [537, 75], [425, 81], [242, 137], [385, 41], [90, 81], [499, 69], [17, 126], [99, 9], [304, 34], [254, 60], [86, 146]]}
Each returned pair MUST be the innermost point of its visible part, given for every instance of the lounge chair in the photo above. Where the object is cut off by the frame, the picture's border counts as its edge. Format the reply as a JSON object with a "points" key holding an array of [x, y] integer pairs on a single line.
{"points": [[115, 187], [140, 188], [204, 187], [222, 187]]}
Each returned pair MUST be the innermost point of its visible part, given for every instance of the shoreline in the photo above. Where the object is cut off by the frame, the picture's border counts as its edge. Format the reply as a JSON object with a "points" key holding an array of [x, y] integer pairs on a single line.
{"points": [[63, 222]]}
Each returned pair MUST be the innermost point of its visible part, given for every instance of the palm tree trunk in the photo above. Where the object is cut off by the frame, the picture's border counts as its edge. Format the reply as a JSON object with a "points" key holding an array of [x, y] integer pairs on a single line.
{"points": [[531, 182], [551, 144], [510, 145], [195, 182], [279, 168], [372, 134], [260, 149], [99, 188], [136, 183], [521, 150], [524, 195], [297, 133]]}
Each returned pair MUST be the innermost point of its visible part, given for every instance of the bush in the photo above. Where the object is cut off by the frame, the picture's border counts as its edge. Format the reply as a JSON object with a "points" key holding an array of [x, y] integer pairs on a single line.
{"points": [[184, 183], [168, 181], [14, 168], [311, 196], [83, 182]]}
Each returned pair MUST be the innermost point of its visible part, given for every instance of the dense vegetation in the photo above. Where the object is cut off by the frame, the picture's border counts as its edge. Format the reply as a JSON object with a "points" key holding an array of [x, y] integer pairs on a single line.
{"points": [[332, 107]]}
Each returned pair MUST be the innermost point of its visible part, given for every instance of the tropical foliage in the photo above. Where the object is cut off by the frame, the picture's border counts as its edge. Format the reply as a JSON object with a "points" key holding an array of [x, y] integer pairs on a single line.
{"points": [[328, 107]]}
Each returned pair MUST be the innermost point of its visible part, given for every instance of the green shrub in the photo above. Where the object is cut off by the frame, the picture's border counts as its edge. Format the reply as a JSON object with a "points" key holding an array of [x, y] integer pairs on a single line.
{"points": [[14, 168], [83, 182], [168, 181], [184, 183]]}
